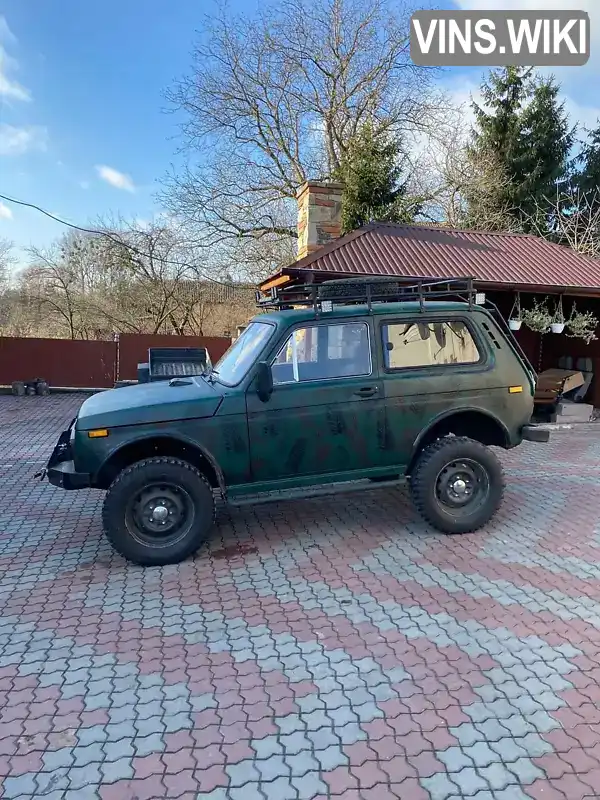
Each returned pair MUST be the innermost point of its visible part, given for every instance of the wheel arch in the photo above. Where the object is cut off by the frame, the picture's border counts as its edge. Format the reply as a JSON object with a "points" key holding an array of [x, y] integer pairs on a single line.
{"points": [[473, 423], [153, 445]]}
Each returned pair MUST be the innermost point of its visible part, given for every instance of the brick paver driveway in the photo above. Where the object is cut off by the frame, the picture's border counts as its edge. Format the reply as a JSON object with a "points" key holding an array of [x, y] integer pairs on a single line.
{"points": [[331, 648]]}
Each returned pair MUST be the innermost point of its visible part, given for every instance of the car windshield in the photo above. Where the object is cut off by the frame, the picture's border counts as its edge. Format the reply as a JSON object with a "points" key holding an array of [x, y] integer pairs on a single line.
{"points": [[234, 365]]}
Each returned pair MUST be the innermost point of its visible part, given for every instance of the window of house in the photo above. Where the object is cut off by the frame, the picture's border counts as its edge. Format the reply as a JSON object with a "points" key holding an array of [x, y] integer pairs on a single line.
{"points": [[426, 344], [319, 352]]}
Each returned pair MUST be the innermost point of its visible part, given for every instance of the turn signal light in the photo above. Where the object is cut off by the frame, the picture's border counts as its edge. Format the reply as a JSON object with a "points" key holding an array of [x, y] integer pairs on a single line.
{"points": [[515, 389], [99, 434]]}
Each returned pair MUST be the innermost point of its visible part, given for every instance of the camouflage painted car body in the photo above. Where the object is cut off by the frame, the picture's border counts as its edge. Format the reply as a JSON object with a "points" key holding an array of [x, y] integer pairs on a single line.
{"points": [[314, 432]]}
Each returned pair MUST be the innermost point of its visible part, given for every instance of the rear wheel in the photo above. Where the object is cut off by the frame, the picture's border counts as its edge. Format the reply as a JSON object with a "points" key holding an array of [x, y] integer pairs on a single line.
{"points": [[457, 484], [158, 511]]}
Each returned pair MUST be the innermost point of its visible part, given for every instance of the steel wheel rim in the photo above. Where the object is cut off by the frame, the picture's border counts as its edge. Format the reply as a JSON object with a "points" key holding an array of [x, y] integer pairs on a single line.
{"points": [[462, 487], [160, 514]]}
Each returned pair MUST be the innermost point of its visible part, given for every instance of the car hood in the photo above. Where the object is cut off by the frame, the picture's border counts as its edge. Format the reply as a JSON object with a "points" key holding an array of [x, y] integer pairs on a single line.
{"points": [[143, 403]]}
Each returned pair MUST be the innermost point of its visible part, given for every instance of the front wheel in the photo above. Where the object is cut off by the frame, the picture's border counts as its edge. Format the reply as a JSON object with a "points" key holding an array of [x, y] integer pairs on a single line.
{"points": [[158, 511], [457, 484]]}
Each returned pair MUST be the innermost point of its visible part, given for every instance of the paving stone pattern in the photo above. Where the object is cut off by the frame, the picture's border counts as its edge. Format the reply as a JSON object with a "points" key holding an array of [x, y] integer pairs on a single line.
{"points": [[336, 648]]}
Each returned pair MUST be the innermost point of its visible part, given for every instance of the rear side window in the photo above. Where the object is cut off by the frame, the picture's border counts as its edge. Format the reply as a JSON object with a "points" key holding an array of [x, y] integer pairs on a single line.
{"points": [[427, 344]]}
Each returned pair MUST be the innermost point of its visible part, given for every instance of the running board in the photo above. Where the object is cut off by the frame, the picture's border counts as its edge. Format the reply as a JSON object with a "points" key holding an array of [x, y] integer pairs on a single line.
{"points": [[304, 493]]}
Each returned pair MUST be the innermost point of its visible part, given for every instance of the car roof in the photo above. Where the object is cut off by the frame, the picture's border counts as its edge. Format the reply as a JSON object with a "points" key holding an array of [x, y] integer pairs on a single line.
{"points": [[339, 310]]}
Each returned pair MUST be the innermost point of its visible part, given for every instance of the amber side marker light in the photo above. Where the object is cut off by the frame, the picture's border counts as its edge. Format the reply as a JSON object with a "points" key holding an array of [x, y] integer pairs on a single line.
{"points": [[515, 389], [100, 434]]}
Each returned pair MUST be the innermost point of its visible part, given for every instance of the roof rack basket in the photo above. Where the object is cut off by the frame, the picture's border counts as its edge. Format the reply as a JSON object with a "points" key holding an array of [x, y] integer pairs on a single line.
{"points": [[350, 291]]}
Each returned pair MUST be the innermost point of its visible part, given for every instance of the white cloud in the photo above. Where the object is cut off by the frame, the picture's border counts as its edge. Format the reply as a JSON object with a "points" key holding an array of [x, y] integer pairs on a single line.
{"points": [[9, 87], [6, 35], [119, 180], [462, 92], [585, 116], [591, 6], [17, 141], [574, 77], [5, 212]]}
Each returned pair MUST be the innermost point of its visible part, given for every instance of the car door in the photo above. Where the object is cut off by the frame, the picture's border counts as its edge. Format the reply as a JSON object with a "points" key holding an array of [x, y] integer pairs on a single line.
{"points": [[428, 369], [326, 407]]}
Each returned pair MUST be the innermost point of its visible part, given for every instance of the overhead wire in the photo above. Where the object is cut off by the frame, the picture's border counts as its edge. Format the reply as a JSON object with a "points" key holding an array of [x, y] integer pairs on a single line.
{"points": [[107, 235]]}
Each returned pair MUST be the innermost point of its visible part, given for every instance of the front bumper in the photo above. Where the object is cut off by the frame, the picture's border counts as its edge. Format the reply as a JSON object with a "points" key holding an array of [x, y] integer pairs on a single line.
{"points": [[533, 433], [64, 476], [60, 469]]}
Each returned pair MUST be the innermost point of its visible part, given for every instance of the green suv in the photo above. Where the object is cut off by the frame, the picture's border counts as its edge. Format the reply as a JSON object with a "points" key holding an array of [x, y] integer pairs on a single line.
{"points": [[340, 386]]}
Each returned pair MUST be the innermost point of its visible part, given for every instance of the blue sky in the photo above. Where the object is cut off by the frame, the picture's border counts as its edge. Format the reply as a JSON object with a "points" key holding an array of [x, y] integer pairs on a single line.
{"points": [[95, 74], [83, 128]]}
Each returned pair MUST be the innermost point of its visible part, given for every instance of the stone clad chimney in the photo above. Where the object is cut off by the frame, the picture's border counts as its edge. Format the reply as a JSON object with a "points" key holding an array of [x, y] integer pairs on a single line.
{"points": [[319, 215]]}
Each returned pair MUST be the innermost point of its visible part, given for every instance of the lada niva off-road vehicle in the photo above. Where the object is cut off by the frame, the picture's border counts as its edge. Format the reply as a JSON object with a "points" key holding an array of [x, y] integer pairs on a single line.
{"points": [[334, 386]]}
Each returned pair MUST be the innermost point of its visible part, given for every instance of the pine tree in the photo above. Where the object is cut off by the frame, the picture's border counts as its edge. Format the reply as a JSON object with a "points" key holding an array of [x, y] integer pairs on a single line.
{"points": [[587, 177], [524, 124], [496, 139], [371, 172], [498, 121], [547, 139]]}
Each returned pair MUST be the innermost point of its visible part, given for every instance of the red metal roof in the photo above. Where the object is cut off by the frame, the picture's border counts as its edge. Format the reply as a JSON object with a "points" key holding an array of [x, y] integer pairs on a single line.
{"points": [[417, 251]]}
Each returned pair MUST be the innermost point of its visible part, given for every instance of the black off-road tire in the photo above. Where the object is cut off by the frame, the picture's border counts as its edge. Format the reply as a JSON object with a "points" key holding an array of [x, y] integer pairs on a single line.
{"points": [[431, 464], [132, 480]]}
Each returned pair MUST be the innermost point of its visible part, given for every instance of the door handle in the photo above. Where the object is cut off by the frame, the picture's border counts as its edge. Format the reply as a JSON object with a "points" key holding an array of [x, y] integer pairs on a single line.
{"points": [[367, 391]]}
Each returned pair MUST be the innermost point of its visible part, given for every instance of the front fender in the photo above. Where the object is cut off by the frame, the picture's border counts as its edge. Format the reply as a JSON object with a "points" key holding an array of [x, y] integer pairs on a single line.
{"points": [[144, 442]]}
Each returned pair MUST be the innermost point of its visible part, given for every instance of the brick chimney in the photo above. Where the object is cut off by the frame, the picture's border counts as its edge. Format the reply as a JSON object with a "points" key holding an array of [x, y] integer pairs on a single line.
{"points": [[319, 215]]}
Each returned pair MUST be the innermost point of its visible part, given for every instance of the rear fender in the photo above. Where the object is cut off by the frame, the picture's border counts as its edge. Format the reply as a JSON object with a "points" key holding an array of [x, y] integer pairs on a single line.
{"points": [[442, 426]]}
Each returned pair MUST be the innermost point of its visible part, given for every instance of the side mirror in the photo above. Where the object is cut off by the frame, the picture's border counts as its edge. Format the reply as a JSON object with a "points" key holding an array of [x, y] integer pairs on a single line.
{"points": [[264, 381]]}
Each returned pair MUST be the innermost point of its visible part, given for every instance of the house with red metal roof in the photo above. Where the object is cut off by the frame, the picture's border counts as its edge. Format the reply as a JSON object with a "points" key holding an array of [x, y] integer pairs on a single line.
{"points": [[501, 261], [508, 267]]}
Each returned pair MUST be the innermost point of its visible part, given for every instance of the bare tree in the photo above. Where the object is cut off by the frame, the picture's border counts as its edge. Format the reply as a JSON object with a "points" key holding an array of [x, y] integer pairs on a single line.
{"points": [[571, 218], [58, 279], [273, 101], [127, 278], [460, 189], [143, 268], [7, 261]]}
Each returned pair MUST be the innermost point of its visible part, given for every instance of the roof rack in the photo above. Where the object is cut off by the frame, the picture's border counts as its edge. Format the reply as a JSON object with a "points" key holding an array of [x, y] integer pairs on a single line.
{"points": [[349, 291], [368, 291]]}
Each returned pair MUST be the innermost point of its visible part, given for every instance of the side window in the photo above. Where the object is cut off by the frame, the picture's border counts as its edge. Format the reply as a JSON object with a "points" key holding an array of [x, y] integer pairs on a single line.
{"points": [[426, 344], [318, 352]]}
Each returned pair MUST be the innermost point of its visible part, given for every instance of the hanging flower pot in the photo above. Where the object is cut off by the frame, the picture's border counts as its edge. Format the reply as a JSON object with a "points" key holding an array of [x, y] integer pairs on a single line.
{"points": [[514, 318], [558, 318], [538, 318], [582, 325]]}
